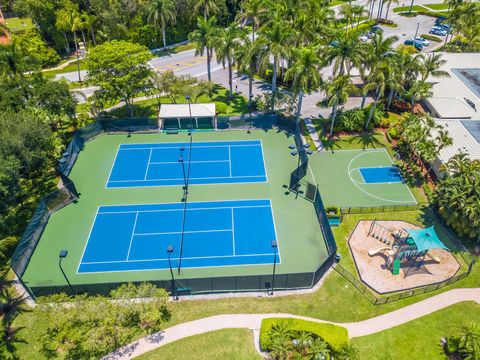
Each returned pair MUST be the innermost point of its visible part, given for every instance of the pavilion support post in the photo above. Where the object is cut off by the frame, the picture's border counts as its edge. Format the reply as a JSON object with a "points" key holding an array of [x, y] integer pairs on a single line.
{"points": [[179, 124], [196, 122]]}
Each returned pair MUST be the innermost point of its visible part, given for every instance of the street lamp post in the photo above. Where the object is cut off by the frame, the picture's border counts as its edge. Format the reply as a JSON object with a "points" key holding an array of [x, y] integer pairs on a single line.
{"points": [[190, 113], [274, 246], [181, 160], [416, 33], [174, 287], [62, 255]]}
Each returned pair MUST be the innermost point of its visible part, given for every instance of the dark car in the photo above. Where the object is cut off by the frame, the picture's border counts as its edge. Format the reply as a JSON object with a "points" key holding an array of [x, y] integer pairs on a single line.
{"points": [[376, 29], [416, 44], [440, 20]]}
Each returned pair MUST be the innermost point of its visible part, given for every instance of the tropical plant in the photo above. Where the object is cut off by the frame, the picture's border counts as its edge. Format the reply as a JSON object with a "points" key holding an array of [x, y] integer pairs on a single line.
{"points": [[273, 42], [252, 11], [204, 39], [228, 41], [418, 91], [337, 90], [209, 8], [430, 66], [344, 52], [304, 74], [160, 14]]}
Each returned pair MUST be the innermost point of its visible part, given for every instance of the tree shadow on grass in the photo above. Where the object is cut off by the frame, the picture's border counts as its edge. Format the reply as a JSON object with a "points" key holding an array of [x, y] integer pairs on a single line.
{"points": [[367, 140]]}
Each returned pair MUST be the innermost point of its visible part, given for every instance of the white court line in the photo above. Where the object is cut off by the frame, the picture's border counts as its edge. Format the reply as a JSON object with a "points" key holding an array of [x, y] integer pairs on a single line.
{"points": [[192, 162], [233, 233], [191, 178], [408, 188], [193, 147], [148, 165], [131, 237], [113, 165], [88, 239], [263, 160], [230, 161], [185, 232], [198, 142], [183, 258], [194, 209]]}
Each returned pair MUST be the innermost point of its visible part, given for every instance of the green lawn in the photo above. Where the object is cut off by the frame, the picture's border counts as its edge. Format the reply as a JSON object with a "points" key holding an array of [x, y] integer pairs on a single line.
{"points": [[437, 6], [175, 50], [69, 68], [407, 8], [417, 339], [232, 344], [235, 106], [19, 24]]}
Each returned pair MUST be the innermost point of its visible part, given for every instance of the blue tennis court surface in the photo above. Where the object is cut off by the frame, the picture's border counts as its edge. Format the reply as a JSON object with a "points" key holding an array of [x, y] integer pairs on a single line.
{"points": [[220, 233], [375, 175], [211, 163]]}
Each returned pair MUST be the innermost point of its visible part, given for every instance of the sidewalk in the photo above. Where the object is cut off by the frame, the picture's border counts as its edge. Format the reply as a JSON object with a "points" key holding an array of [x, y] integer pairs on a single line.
{"points": [[253, 321]]}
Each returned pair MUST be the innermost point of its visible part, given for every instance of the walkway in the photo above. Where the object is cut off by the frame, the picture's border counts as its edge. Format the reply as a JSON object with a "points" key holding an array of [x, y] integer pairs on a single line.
{"points": [[253, 322]]}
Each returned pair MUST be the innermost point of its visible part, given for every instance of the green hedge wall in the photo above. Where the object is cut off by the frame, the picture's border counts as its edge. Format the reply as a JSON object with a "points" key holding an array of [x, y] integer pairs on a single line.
{"points": [[334, 335]]}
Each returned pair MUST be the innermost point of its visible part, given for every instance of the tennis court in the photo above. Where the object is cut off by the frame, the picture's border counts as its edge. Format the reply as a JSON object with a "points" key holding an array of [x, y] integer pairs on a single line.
{"points": [[360, 178], [219, 233], [167, 164]]}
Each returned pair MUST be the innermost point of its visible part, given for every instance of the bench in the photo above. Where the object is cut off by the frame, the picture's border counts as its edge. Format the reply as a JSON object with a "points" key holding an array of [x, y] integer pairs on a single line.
{"points": [[171, 130]]}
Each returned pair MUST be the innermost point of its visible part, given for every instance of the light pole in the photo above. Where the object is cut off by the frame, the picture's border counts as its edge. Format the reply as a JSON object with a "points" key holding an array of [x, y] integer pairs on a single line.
{"points": [[190, 112], [174, 288], [274, 246], [181, 160], [416, 33], [62, 255]]}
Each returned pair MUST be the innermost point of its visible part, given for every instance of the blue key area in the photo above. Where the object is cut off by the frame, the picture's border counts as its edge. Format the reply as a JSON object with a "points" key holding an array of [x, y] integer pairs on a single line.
{"points": [[208, 163], [219, 233], [375, 175]]}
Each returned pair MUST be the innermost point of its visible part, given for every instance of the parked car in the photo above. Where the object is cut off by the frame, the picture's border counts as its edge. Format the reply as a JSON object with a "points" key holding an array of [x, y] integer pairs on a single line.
{"points": [[439, 20], [445, 27], [363, 38], [437, 30], [417, 44], [376, 29], [422, 40]]}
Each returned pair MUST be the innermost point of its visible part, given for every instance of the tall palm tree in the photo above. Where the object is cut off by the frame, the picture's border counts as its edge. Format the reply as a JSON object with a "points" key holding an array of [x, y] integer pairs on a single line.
{"points": [[247, 59], [344, 52], [418, 91], [208, 7], [443, 139], [377, 79], [227, 42], [252, 11], [160, 14], [304, 73], [430, 66], [273, 42], [337, 90], [389, 2], [204, 39]]}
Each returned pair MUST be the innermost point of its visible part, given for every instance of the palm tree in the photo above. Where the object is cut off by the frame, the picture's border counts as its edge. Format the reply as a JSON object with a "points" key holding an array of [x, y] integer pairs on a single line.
{"points": [[318, 350], [347, 352], [63, 24], [430, 66], [227, 42], [337, 91], [443, 139], [272, 42], [247, 60], [209, 8], [344, 52], [204, 39], [469, 341], [304, 73], [252, 10], [281, 343], [378, 80], [418, 91], [389, 2], [161, 13]]}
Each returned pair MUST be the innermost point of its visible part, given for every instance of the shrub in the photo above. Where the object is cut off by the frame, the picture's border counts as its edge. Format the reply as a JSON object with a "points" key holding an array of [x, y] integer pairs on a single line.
{"points": [[332, 211], [335, 336], [406, 49], [431, 37], [221, 107], [351, 120], [393, 133]]}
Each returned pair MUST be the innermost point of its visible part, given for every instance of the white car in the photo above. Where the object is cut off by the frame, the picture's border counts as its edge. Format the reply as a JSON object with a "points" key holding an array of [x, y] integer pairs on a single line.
{"points": [[422, 40], [437, 30]]}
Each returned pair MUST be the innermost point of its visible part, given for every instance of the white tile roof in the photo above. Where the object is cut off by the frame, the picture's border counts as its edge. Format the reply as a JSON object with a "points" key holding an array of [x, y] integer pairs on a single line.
{"points": [[463, 141]]}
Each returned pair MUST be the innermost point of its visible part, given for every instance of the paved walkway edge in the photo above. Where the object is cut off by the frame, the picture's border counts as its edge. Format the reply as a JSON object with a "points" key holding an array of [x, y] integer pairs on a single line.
{"points": [[253, 321]]}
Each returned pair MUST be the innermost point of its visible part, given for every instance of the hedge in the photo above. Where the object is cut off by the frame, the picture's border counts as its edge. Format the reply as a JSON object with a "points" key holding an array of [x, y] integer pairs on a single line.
{"points": [[334, 335]]}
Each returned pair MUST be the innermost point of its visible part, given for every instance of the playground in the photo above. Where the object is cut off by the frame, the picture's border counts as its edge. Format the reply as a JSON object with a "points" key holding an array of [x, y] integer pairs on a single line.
{"points": [[392, 256]]}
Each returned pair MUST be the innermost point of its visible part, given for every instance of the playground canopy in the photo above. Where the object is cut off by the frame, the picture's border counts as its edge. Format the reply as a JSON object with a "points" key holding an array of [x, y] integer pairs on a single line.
{"points": [[426, 239]]}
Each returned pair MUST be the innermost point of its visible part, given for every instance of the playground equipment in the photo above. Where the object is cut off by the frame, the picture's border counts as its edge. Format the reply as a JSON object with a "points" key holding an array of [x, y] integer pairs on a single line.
{"points": [[407, 244]]}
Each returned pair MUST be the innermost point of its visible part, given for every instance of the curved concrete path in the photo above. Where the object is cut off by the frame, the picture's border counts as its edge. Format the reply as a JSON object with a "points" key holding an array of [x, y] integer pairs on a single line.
{"points": [[253, 322]]}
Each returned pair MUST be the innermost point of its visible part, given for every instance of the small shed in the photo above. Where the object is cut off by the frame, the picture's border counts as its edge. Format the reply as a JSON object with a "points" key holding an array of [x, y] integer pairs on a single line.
{"points": [[185, 116]]}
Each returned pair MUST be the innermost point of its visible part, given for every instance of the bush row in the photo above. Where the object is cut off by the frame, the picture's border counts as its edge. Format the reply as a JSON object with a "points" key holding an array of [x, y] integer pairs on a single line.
{"points": [[335, 336]]}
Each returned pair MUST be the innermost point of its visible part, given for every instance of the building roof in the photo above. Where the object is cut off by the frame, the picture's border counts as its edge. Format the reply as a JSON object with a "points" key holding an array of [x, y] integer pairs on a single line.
{"points": [[463, 140], [179, 111], [426, 239], [451, 108]]}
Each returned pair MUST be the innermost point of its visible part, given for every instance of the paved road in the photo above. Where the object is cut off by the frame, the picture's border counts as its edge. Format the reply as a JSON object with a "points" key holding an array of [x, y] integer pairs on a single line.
{"points": [[253, 322]]}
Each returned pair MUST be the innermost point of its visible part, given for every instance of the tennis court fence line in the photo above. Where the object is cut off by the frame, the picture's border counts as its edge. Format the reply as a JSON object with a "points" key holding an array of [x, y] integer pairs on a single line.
{"points": [[381, 208]]}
